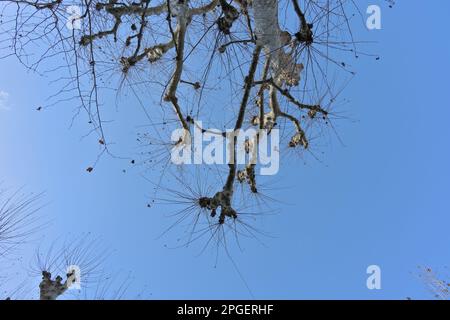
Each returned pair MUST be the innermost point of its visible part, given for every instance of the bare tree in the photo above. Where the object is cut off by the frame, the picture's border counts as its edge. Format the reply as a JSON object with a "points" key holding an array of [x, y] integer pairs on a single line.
{"points": [[69, 264], [73, 262], [239, 64]]}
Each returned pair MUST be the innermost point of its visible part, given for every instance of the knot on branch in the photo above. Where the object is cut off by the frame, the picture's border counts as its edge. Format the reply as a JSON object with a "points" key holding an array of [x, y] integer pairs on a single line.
{"points": [[85, 40], [268, 121], [99, 6], [127, 63], [222, 201], [248, 175], [299, 139], [230, 14], [312, 112], [305, 35]]}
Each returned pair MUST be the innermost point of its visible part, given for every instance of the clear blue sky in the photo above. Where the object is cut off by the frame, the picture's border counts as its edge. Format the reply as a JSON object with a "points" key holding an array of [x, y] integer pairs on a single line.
{"points": [[380, 199]]}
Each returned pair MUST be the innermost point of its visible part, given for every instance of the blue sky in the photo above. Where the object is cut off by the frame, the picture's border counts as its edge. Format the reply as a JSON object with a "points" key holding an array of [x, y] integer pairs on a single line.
{"points": [[380, 199]]}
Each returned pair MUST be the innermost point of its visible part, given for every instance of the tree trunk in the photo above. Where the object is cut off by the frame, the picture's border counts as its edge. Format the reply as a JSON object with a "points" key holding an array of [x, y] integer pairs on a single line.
{"points": [[273, 40]]}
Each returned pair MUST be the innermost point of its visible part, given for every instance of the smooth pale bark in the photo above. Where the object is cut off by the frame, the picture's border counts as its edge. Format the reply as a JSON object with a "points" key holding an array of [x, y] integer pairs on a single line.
{"points": [[267, 29], [273, 40], [283, 67]]}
